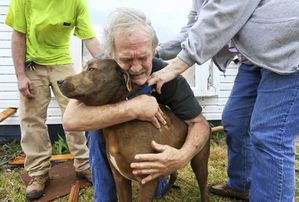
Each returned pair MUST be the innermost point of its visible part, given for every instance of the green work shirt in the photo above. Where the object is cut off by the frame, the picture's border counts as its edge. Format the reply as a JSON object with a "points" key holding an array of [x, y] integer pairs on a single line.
{"points": [[48, 25]]}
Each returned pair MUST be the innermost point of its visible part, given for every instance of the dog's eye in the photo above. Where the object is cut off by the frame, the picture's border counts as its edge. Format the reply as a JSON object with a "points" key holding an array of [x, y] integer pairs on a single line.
{"points": [[90, 69]]}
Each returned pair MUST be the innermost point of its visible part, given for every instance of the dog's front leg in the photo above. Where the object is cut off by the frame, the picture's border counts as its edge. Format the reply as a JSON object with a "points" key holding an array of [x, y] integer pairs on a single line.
{"points": [[123, 186], [147, 191], [199, 165]]}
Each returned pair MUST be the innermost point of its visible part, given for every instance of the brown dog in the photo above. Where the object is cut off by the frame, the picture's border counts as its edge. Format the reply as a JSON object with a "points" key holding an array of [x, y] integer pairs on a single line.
{"points": [[104, 82]]}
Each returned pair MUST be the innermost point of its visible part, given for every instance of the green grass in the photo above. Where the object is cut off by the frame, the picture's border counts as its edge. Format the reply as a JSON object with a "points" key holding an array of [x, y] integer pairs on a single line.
{"points": [[60, 146], [12, 188]]}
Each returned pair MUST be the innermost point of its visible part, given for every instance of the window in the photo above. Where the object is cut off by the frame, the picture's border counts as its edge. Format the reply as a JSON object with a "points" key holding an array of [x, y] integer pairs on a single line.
{"points": [[204, 79]]}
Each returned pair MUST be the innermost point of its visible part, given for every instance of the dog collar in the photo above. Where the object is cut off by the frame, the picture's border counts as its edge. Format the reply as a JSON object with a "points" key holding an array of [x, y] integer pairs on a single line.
{"points": [[144, 90]]}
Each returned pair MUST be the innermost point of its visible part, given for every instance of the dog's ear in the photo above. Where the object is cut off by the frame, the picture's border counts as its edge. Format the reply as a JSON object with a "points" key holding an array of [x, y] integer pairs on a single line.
{"points": [[127, 80]]}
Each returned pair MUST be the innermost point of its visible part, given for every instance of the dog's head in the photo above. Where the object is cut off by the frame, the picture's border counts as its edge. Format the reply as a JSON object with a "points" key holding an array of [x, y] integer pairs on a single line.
{"points": [[97, 84]]}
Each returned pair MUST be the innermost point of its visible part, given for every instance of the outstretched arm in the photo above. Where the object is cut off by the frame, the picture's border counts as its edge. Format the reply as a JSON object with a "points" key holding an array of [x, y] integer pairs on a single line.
{"points": [[207, 36], [170, 159]]}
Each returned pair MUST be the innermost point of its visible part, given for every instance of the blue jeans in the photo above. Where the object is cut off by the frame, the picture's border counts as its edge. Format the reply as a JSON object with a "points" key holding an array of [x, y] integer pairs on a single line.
{"points": [[102, 178], [261, 122]]}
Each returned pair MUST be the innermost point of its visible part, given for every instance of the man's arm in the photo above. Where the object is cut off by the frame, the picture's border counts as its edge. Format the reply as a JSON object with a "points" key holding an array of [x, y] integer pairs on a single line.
{"points": [[18, 44], [217, 23], [198, 135], [79, 117], [93, 46], [170, 159]]}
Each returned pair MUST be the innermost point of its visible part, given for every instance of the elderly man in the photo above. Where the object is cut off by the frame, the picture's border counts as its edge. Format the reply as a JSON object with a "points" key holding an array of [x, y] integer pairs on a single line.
{"points": [[131, 42]]}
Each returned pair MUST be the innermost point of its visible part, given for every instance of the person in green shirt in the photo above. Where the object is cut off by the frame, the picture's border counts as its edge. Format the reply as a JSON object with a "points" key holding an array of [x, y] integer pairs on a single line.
{"points": [[40, 50]]}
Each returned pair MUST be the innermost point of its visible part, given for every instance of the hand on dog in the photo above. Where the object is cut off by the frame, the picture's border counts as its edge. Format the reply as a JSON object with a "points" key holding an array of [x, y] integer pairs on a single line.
{"points": [[175, 67], [167, 161], [147, 108]]}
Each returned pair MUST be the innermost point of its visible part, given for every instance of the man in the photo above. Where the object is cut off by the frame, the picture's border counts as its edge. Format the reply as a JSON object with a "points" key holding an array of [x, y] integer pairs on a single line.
{"points": [[40, 50], [262, 111], [131, 42]]}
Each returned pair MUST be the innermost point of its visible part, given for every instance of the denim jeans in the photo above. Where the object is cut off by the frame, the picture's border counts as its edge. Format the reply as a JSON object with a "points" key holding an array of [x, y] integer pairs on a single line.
{"points": [[261, 122], [102, 179]]}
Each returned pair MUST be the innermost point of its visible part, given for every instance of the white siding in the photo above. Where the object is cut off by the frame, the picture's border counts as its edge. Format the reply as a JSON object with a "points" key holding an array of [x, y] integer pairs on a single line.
{"points": [[9, 96], [213, 106], [8, 85], [211, 87]]}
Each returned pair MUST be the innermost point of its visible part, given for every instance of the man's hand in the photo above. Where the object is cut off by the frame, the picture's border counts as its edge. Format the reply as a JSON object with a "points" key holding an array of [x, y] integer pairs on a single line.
{"points": [[146, 108], [167, 161], [25, 86], [171, 71]]}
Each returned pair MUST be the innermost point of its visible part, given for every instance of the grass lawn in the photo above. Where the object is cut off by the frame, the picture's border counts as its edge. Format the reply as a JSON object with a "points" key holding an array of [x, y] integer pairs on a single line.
{"points": [[12, 188]]}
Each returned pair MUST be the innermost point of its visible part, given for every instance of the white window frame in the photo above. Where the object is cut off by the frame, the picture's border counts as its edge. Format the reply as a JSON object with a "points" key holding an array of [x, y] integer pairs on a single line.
{"points": [[204, 79]]}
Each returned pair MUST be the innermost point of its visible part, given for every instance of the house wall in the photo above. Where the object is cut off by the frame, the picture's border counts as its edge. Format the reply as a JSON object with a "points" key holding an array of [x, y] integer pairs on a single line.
{"points": [[8, 83], [213, 105]]}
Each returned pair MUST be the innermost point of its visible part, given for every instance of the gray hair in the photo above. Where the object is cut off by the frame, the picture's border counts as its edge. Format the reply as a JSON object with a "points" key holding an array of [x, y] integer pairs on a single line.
{"points": [[127, 20]]}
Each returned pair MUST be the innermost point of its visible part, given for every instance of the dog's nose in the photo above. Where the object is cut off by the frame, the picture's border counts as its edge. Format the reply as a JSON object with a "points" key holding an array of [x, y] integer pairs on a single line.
{"points": [[59, 82]]}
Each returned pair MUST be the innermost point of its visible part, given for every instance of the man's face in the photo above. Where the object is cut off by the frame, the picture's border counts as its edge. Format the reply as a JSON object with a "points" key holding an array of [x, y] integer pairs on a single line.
{"points": [[134, 53]]}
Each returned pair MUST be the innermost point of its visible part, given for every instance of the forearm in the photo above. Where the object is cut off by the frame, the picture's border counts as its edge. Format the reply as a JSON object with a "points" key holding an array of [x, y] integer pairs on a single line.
{"points": [[79, 117], [198, 135], [177, 66], [18, 52], [93, 46]]}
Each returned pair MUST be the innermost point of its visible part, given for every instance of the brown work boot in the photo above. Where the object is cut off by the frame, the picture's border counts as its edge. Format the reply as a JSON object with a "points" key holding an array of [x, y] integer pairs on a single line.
{"points": [[36, 187], [85, 174], [224, 190]]}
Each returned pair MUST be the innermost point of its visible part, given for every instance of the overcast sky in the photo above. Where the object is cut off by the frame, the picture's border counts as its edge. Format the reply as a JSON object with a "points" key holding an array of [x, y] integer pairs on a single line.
{"points": [[167, 16]]}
